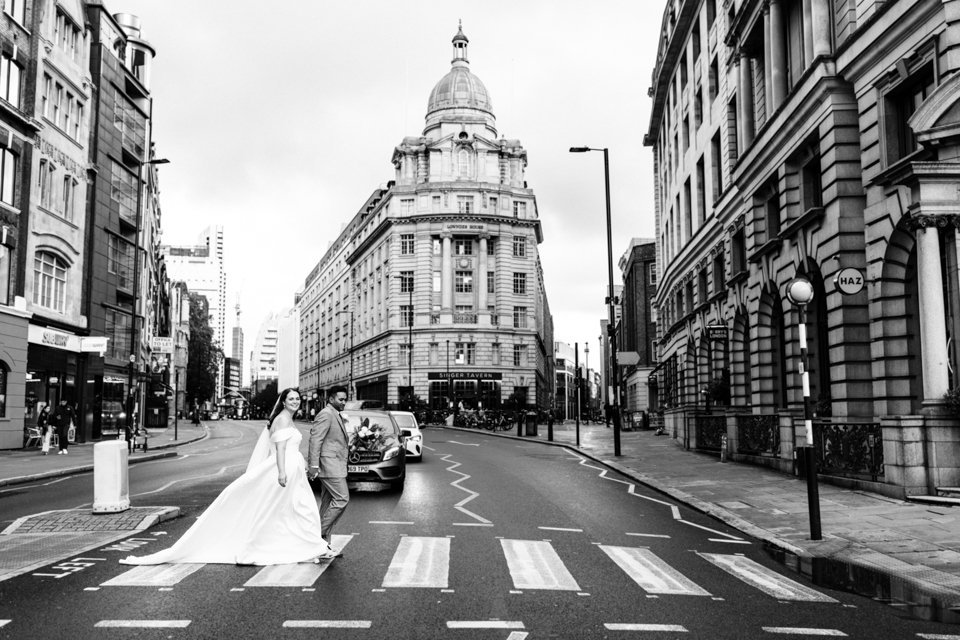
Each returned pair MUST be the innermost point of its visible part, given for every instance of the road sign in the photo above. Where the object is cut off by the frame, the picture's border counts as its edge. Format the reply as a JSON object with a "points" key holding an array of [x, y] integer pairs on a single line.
{"points": [[849, 281], [160, 344]]}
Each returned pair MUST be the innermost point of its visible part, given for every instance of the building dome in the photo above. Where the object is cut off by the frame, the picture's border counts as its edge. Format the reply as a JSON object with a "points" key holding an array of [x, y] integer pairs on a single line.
{"points": [[460, 96]]}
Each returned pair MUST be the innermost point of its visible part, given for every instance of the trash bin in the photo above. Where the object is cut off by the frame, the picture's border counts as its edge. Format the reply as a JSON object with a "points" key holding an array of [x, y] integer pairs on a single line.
{"points": [[531, 424]]}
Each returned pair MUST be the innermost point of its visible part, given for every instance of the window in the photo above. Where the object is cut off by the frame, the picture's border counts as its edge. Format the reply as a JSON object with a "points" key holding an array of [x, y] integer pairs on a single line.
{"points": [[716, 166], [123, 190], [719, 275], [491, 246], [495, 353], [406, 281], [464, 353], [67, 35], [463, 247], [519, 209], [435, 204], [653, 274], [711, 12], [69, 185], [8, 176], [772, 215], [4, 273], [519, 247], [17, 9], [695, 40], [45, 98], [49, 281], [811, 189], [520, 284], [120, 261], [493, 203], [406, 244], [701, 193], [698, 109], [117, 331], [465, 204], [57, 103], [471, 353], [492, 310], [732, 128], [10, 80], [406, 207], [406, 315], [437, 280], [491, 282], [520, 317], [898, 105], [738, 251], [702, 287], [713, 80], [519, 355], [45, 182], [687, 211], [4, 372], [464, 282], [437, 247]]}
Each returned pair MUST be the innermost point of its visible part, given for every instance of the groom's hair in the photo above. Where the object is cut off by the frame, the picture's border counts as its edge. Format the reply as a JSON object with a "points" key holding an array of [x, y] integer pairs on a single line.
{"points": [[332, 393]]}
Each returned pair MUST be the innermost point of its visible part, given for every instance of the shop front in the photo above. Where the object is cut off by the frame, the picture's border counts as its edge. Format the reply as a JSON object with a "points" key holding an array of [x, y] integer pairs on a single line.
{"points": [[475, 389], [372, 389], [13, 364]]}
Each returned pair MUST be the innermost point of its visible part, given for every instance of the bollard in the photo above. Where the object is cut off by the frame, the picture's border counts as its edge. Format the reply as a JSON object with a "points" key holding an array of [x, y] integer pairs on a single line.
{"points": [[111, 488], [723, 448]]}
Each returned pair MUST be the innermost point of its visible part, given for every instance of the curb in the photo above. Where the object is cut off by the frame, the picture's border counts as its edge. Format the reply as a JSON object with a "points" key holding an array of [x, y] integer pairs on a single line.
{"points": [[923, 592]]}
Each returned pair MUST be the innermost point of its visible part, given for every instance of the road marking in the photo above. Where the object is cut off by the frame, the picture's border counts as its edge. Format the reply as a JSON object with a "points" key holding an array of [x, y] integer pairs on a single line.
{"points": [[390, 522], [676, 628], [534, 564], [803, 631], [91, 588], [561, 529], [651, 573], [4, 623], [303, 574], [649, 535], [473, 494], [465, 444], [157, 575], [700, 526], [144, 624], [484, 624], [729, 541], [937, 636], [767, 580], [420, 562], [326, 624], [517, 635], [472, 524]]}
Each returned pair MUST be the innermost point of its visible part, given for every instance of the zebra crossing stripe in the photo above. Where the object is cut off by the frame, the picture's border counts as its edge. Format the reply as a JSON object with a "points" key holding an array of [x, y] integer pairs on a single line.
{"points": [[155, 575], [295, 575], [144, 624], [616, 626], [327, 624], [767, 580], [651, 573], [419, 562], [805, 631], [535, 565]]}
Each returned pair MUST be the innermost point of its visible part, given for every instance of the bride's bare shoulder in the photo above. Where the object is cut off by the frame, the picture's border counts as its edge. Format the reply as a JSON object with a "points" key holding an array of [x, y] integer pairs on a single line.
{"points": [[282, 421]]}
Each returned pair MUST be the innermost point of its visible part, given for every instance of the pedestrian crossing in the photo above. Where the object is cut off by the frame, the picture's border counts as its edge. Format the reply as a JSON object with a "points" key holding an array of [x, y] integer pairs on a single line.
{"points": [[423, 562]]}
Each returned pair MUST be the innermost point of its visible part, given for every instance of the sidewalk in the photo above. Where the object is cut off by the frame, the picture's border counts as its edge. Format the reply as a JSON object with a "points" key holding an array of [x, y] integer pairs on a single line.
{"points": [[888, 549]]}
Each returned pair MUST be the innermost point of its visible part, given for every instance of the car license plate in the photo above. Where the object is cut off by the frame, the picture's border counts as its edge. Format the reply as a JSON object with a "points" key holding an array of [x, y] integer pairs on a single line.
{"points": [[355, 468]]}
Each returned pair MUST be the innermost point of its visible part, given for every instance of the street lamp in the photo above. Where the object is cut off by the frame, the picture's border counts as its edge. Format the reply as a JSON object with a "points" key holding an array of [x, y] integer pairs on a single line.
{"points": [[410, 351], [799, 292], [611, 299], [449, 385], [350, 311]]}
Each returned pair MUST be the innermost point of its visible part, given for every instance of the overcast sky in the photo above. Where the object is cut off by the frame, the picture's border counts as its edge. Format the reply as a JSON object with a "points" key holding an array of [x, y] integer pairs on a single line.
{"points": [[280, 119]]}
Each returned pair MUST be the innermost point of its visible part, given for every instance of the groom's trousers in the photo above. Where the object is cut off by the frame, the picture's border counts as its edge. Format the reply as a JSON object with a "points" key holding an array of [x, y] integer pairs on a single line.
{"points": [[334, 496]]}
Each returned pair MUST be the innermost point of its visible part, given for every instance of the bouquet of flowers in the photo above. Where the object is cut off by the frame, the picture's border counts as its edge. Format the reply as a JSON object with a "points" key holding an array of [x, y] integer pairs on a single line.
{"points": [[367, 437]]}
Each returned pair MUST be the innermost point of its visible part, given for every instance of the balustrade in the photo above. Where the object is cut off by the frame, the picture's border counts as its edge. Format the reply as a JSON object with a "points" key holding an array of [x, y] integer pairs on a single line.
{"points": [[849, 450], [758, 435]]}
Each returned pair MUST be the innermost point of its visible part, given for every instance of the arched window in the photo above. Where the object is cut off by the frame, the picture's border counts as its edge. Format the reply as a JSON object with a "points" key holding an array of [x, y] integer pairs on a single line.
{"points": [[49, 281], [4, 374], [463, 163]]}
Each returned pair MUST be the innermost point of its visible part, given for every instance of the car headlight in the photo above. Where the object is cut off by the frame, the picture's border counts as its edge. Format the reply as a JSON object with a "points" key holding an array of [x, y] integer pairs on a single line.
{"points": [[391, 453], [414, 438]]}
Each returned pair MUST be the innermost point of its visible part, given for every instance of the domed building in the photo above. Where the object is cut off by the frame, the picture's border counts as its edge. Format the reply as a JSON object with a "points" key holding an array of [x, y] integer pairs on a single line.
{"points": [[434, 290]]}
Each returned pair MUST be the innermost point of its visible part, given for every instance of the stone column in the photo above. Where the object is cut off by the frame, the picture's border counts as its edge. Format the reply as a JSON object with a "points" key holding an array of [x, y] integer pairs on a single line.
{"points": [[778, 56], [482, 280], [807, 33], [446, 274], [767, 61], [745, 91], [933, 330], [820, 27]]}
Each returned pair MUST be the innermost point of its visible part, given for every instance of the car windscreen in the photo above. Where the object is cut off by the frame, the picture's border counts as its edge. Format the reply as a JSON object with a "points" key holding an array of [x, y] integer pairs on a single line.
{"points": [[371, 431], [406, 422]]}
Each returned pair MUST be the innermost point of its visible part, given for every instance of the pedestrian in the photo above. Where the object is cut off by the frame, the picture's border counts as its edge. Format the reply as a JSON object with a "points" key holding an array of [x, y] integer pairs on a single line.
{"points": [[196, 416], [45, 426], [266, 516], [327, 457], [63, 420]]}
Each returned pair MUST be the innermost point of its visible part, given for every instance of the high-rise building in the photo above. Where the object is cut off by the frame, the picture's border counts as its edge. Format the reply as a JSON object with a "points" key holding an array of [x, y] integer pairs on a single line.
{"points": [[200, 266], [263, 357], [434, 290], [637, 328], [236, 344]]}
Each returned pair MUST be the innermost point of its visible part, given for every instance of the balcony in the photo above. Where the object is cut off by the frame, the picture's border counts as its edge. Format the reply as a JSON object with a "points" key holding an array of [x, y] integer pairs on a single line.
{"points": [[465, 318]]}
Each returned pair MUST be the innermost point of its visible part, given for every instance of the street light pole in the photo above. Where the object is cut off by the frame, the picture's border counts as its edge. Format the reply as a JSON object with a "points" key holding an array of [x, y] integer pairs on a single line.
{"points": [[800, 294], [410, 351], [611, 300]]}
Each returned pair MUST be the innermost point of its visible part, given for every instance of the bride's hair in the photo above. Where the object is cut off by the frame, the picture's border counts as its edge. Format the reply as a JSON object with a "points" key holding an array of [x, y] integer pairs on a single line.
{"points": [[278, 407]]}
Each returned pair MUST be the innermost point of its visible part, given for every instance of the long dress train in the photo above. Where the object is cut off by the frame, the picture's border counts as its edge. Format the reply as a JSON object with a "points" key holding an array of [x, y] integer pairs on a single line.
{"points": [[255, 520]]}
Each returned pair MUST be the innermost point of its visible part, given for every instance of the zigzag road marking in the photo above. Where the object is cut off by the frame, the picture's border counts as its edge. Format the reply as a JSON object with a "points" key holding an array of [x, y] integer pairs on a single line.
{"points": [[473, 494], [631, 489]]}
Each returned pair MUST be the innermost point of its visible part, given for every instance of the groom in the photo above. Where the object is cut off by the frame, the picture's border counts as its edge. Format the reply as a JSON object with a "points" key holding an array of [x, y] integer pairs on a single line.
{"points": [[327, 458]]}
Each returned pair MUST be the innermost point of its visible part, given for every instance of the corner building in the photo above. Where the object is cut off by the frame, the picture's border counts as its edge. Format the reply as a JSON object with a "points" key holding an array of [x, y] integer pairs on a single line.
{"points": [[802, 138], [435, 288]]}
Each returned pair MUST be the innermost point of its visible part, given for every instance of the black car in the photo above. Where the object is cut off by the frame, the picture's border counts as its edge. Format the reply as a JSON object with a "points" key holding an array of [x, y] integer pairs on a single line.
{"points": [[376, 452]]}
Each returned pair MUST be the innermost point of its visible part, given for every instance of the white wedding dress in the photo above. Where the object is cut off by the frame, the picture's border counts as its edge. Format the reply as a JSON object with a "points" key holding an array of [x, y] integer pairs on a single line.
{"points": [[255, 520]]}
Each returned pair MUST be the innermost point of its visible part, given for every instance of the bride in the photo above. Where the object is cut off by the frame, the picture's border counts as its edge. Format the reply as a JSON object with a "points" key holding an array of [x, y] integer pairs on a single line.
{"points": [[266, 516]]}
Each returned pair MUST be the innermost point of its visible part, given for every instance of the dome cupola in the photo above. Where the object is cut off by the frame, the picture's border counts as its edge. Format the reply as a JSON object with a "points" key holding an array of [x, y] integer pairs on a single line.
{"points": [[460, 96]]}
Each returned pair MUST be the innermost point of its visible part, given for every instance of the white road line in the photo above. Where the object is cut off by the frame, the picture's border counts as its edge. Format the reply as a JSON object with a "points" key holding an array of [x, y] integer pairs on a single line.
{"points": [[326, 624], [144, 624], [484, 624], [534, 564], [157, 575], [651, 573], [465, 444], [473, 494], [420, 562], [804, 631], [561, 529], [390, 522], [729, 541], [472, 524], [4, 623], [937, 636], [767, 580], [296, 575], [676, 628], [517, 635], [648, 535]]}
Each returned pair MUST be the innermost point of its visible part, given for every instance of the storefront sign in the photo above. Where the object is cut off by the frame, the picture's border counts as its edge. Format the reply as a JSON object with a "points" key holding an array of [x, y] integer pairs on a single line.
{"points": [[93, 344], [48, 337], [464, 375], [460, 227], [849, 281]]}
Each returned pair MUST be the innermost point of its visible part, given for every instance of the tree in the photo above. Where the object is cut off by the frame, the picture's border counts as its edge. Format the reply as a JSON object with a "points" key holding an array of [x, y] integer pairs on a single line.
{"points": [[264, 400], [203, 356]]}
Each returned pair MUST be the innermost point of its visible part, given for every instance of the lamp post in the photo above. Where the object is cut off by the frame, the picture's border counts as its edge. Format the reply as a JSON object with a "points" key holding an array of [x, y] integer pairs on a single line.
{"points": [[449, 382], [410, 351], [578, 383], [800, 293], [350, 385], [611, 300], [586, 371]]}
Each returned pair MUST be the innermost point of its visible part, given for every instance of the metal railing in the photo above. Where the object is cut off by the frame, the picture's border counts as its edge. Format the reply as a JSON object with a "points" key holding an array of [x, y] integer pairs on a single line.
{"points": [[758, 435], [465, 318], [710, 430], [849, 450]]}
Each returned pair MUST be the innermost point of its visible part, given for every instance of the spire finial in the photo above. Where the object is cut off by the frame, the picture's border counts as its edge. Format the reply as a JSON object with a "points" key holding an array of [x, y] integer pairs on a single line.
{"points": [[460, 45]]}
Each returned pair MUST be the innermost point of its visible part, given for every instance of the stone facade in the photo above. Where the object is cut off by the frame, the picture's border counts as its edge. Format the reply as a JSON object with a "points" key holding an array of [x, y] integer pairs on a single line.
{"points": [[809, 138]]}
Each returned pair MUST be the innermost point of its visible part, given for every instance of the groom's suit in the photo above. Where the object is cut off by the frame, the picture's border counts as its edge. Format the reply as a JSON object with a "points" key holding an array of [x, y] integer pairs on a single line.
{"points": [[328, 452]]}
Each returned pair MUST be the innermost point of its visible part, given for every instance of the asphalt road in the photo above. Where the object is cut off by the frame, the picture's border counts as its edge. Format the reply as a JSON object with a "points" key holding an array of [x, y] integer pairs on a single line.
{"points": [[491, 538]]}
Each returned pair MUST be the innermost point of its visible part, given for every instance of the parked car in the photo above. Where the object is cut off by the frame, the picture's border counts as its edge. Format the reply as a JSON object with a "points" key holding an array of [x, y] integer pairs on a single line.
{"points": [[376, 451], [410, 429], [362, 404]]}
